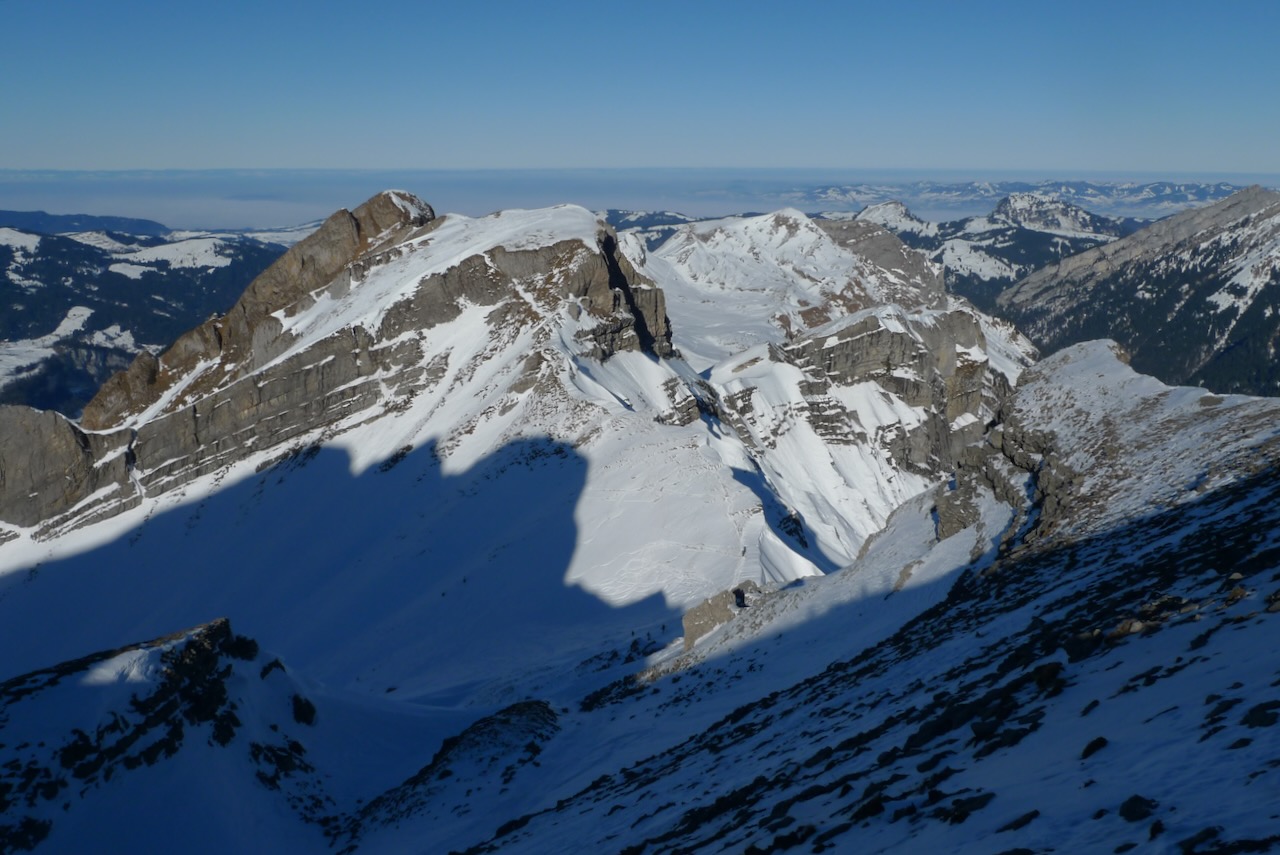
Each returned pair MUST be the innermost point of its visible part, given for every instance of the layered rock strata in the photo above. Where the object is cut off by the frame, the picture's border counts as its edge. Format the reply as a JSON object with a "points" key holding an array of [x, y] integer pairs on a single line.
{"points": [[247, 381]]}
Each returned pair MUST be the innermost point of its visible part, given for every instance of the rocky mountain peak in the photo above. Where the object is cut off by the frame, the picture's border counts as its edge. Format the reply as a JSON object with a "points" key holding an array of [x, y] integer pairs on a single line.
{"points": [[1045, 213], [243, 337], [896, 217], [334, 334]]}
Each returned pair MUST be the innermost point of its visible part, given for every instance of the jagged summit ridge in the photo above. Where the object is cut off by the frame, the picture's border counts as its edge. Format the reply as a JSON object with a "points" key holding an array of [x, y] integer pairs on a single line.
{"points": [[309, 265]]}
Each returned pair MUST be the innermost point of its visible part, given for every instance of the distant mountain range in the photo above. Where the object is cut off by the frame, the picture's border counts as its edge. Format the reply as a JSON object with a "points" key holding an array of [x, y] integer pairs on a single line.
{"points": [[53, 224], [1195, 298], [939, 200], [985, 254]]}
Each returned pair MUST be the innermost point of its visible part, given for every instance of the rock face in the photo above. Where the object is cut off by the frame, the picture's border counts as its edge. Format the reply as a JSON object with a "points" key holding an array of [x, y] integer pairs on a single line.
{"points": [[935, 362], [1195, 298], [308, 267], [934, 367], [921, 284], [243, 382], [48, 465]]}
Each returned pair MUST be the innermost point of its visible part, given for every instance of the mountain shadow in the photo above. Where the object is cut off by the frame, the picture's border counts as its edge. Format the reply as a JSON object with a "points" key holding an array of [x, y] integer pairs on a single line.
{"points": [[1024, 660], [405, 577]]}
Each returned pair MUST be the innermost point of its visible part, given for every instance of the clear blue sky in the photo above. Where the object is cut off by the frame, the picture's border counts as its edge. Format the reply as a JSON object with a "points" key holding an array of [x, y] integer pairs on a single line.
{"points": [[1123, 85]]}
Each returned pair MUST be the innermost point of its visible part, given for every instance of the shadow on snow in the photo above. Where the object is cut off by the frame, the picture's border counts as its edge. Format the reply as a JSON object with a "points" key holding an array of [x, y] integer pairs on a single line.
{"points": [[402, 577]]}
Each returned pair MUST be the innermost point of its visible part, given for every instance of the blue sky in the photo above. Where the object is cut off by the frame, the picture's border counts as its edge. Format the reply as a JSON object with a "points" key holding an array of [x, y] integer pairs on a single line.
{"points": [[1135, 86]]}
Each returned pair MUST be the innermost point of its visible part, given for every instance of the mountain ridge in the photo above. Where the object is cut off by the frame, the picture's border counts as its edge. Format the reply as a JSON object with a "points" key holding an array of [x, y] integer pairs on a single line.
{"points": [[983, 255], [1192, 297]]}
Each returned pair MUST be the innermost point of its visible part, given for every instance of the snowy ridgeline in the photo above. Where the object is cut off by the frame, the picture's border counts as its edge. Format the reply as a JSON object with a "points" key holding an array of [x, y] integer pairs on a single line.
{"points": [[456, 560]]}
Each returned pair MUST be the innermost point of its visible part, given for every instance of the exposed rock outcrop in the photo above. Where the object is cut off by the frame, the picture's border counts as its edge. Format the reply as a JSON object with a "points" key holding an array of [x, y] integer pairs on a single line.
{"points": [[921, 285], [247, 382], [48, 466], [714, 611], [245, 335], [935, 363]]}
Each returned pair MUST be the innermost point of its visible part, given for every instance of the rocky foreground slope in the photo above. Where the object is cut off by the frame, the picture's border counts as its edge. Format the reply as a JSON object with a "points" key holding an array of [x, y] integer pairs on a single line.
{"points": [[514, 533]]}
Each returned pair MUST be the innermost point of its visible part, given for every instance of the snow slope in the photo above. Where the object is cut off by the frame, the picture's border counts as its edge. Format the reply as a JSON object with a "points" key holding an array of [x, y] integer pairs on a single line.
{"points": [[742, 281]]}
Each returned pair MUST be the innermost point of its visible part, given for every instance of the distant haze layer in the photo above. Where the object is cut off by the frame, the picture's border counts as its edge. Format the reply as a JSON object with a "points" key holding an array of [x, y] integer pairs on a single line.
{"points": [[266, 198]]}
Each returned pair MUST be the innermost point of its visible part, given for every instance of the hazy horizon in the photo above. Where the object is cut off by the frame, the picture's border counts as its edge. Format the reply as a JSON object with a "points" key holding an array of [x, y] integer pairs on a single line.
{"points": [[264, 198]]}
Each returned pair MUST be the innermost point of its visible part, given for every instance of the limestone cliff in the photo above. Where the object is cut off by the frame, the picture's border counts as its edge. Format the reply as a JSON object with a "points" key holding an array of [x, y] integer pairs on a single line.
{"points": [[260, 377]]}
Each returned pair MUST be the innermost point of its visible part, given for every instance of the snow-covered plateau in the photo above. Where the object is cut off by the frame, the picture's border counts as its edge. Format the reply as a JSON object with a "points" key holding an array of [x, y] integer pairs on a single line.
{"points": [[517, 533]]}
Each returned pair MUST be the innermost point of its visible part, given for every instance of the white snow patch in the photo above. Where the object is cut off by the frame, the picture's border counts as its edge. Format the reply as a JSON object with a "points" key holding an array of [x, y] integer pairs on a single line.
{"points": [[19, 240], [133, 271]]}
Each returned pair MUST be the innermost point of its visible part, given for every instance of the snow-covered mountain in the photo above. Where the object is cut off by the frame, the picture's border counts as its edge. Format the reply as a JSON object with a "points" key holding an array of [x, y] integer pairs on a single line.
{"points": [[514, 533], [1194, 298], [982, 256], [79, 305]]}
